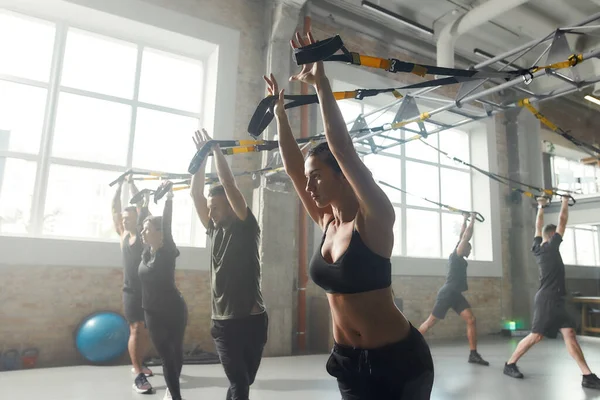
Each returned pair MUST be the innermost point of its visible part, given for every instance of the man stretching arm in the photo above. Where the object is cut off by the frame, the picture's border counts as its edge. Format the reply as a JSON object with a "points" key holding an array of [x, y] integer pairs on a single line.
{"points": [[450, 295], [239, 318], [550, 314]]}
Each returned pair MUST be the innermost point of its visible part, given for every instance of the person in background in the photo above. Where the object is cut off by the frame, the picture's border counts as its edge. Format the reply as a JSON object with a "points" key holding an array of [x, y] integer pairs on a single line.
{"points": [[128, 225], [239, 318]]}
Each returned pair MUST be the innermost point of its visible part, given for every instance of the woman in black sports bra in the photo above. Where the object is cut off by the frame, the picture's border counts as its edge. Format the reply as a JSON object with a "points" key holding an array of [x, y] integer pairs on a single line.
{"points": [[377, 354]]}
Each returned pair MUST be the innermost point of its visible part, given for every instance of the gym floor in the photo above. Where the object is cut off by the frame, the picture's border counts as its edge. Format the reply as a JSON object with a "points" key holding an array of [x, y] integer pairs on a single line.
{"points": [[549, 371]]}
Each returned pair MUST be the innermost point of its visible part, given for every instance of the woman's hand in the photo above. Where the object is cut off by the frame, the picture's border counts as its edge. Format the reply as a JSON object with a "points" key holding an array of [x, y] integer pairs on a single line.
{"points": [[312, 73], [201, 138], [273, 90]]}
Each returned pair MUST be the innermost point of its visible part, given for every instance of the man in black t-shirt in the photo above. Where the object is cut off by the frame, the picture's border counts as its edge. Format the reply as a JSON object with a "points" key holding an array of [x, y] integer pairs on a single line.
{"points": [[450, 295], [550, 314], [239, 318]]}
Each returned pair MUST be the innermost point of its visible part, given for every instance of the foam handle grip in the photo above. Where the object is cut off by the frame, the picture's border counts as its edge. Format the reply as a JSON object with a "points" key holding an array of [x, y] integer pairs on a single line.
{"points": [[199, 157], [120, 178]]}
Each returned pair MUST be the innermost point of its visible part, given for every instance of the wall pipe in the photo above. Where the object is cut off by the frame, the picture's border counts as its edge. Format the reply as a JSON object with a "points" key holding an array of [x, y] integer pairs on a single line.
{"points": [[466, 22]]}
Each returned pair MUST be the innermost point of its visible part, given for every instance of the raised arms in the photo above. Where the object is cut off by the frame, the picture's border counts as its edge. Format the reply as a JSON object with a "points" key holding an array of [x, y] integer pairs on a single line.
{"points": [[167, 219], [466, 236], [116, 210], [539, 219], [293, 161], [197, 185], [234, 196], [374, 204], [563, 217]]}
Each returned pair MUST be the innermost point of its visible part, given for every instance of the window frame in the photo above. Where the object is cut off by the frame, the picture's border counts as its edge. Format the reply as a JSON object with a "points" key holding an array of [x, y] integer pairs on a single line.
{"points": [[596, 236], [44, 160], [403, 206]]}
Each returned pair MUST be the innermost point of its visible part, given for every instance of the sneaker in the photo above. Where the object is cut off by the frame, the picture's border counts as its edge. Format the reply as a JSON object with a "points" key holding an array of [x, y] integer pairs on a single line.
{"points": [[475, 358], [512, 371], [147, 371], [590, 381], [141, 384], [167, 395]]}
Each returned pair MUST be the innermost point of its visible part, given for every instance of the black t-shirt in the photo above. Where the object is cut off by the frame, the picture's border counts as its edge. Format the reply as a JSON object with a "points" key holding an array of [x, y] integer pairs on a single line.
{"points": [[457, 273], [235, 268], [552, 268]]}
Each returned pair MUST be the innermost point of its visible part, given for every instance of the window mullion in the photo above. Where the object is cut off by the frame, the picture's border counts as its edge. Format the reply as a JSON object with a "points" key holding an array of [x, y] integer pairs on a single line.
{"points": [[43, 167]]}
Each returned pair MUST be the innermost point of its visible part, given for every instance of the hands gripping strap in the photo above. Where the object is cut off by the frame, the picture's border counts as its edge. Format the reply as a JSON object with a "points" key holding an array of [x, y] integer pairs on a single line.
{"points": [[318, 51]]}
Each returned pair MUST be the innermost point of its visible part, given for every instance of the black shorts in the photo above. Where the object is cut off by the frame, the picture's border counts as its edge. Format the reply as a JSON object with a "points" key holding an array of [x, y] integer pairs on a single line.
{"points": [[132, 306], [550, 314], [402, 370], [448, 298]]}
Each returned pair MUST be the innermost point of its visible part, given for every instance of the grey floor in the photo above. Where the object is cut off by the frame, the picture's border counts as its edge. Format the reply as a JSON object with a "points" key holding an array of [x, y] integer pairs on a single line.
{"points": [[549, 371]]}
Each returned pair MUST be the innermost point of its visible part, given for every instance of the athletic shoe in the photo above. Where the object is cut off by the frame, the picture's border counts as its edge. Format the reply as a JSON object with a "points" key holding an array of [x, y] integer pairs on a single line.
{"points": [[141, 384], [590, 381], [512, 371], [475, 358], [167, 395], [147, 371]]}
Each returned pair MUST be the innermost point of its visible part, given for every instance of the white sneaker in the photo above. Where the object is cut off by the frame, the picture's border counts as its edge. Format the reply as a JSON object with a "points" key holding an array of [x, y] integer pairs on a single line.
{"points": [[167, 395]]}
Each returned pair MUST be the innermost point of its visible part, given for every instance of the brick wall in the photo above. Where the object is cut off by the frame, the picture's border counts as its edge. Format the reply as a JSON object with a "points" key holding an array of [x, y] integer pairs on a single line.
{"points": [[43, 305]]}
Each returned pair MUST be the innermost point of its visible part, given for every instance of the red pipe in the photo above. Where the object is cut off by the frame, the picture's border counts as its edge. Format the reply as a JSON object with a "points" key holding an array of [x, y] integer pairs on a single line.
{"points": [[303, 229]]}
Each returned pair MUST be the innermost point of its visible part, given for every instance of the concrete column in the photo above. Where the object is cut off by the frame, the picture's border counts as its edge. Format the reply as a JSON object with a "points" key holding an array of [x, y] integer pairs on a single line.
{"points": [[278, 203], [524, 164]]}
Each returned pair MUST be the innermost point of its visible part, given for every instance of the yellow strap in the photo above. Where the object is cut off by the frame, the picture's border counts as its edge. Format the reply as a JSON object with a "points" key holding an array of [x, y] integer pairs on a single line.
{"points": [[397, 94], [573, 60], [344, 95], [374, 62], [419, 70], [549, 192], [525, 103], [181, 188]]}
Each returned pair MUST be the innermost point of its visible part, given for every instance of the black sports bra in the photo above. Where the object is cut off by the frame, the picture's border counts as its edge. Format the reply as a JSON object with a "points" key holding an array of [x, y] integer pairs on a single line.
{"points": [[358, 270]]}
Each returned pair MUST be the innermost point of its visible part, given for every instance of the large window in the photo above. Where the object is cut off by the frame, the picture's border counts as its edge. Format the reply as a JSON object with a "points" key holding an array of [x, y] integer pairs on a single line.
{"points": [[77, 108], [428, 230], [580, 246], [574, 176]]}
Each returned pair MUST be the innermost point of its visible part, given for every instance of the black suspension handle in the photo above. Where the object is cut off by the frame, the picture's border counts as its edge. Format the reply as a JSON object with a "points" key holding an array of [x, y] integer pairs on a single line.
{"points": [[572, 200], [139, 196], [161, 191], [478, 216], [200, 156], [120, 178]]}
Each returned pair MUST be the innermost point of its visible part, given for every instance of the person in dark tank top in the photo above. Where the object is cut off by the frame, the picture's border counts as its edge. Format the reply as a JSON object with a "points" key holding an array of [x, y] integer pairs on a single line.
{"points": [[450, 295], [128, 225], [165, 310], [377, 353], [239, 318]]}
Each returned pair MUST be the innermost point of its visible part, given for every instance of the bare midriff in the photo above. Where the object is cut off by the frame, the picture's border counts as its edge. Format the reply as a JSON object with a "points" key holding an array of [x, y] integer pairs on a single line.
{"points": [[367, 320]]}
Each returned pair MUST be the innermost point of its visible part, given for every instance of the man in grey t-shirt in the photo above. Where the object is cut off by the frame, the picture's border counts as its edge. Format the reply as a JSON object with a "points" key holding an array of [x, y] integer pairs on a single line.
{"points": [[240, 321]]}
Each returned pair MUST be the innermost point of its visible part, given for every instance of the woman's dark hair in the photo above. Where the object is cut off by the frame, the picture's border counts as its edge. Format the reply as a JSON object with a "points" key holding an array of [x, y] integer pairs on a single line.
{"points": [[324, 153], [218, 190], [155, 220]]}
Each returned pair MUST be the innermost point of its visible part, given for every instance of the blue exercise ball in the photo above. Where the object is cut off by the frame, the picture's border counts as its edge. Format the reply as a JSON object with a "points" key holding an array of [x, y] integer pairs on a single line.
{"points": [[102, 337]]}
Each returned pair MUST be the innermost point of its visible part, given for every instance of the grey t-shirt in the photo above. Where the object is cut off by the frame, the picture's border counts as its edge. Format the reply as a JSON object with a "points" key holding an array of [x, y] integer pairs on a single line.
{"points": [[457, 273], [235, 268]]}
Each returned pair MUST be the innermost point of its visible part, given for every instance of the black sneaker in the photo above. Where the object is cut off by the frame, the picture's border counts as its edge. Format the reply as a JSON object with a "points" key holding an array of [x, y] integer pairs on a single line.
{"points": [[141, 384], [590, 381], [512, 371], [475, 358]]}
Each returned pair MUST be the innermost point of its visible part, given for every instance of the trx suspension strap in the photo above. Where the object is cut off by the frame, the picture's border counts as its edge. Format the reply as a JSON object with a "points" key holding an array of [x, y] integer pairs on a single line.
{"points": [[150, 176], [478, 216], [230, 147], [588, 148], [506, 181], [325, 50]]}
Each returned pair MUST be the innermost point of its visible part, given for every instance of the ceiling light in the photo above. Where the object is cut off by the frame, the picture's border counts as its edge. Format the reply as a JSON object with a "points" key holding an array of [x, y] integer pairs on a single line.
{"points": [[399, 18], [592, 99]]}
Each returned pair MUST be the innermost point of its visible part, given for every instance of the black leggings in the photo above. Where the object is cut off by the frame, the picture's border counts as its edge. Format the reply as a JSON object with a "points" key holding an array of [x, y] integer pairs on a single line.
{"points": [[166, 331]]}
